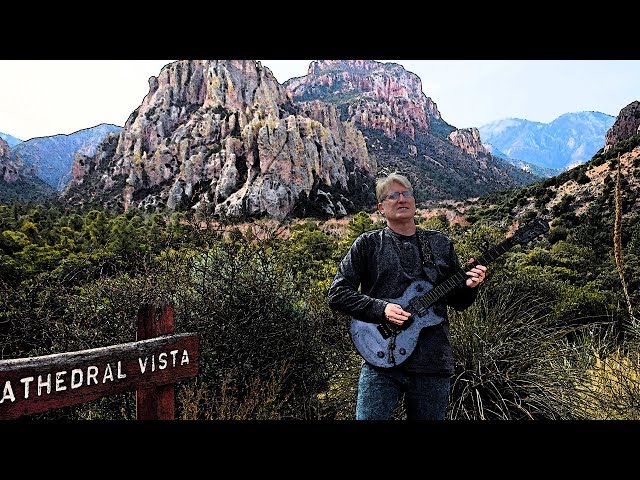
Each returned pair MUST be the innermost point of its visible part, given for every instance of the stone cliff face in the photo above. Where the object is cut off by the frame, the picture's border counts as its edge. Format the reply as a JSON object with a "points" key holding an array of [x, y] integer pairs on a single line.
{"points": [[18, 181], [383, 96], [404, 130], [8, 170], [468, 139], [12, 169], [225, 134], [626, 125]]}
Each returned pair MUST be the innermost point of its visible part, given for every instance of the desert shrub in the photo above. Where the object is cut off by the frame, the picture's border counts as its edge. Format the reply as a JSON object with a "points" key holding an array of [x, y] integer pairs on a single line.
{"points": [[510, 352], [255, 323]]}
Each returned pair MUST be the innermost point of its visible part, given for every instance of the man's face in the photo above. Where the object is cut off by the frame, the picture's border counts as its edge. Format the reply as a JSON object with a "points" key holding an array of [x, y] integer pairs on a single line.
{"points": [[399, 208]]}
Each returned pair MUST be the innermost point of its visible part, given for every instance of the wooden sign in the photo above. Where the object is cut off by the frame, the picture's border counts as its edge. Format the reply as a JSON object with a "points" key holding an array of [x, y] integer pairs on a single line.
{"points": [[37, 384]]}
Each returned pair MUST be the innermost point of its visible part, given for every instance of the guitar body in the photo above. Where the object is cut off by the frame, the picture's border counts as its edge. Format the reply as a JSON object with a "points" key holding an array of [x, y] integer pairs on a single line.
{"points": [[396, 348]]}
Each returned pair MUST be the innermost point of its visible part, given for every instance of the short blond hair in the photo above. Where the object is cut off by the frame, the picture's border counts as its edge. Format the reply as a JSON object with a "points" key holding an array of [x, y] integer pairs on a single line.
{"points": [[383, 184]]}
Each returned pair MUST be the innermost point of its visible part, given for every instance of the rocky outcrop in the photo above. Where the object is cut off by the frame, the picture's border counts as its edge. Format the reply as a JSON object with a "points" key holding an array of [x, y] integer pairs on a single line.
{"points": [[12, 169], [5, 150], [468, 139], [626, 125], [404, 130], [382, 96], [225, 134], [84, 164], [8, 170]]}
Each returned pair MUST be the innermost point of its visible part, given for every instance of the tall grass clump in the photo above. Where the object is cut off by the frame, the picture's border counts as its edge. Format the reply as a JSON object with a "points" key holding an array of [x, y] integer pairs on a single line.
{"points": [[510, 353]]}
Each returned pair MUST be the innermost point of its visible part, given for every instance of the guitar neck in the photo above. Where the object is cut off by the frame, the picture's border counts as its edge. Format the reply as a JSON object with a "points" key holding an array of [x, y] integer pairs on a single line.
{"points": [[459, 278]]}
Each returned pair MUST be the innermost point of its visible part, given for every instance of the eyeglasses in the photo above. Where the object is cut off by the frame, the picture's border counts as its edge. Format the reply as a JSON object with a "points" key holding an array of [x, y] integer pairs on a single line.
{"points": [[396, 195]]}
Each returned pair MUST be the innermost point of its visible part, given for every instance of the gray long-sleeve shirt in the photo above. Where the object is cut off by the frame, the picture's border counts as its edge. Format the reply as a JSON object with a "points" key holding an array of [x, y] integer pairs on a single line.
{"points": [[381, 264]]}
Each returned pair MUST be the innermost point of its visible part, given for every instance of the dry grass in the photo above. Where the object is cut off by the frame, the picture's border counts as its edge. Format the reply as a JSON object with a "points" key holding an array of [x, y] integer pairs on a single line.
{"points": [[257, 399], [610, 389]]}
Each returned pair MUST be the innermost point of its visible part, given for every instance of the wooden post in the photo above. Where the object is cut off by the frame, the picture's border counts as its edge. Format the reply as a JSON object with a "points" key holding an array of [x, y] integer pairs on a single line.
{"points": [[155, 403]]}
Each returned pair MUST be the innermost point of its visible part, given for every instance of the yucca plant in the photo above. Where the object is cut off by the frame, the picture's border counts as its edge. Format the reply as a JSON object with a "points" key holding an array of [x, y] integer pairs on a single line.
{"points": [[617, 243], [511, 357]]}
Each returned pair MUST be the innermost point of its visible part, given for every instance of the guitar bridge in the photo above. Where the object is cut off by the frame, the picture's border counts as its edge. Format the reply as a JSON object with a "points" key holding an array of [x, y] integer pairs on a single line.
{"points": [[407, 323]]}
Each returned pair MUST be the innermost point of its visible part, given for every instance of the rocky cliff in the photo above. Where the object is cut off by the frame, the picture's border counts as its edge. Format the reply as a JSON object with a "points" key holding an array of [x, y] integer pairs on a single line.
{"points": [[383, 96], [627, 124], [17, 179], [404, 129], [12, 169], [468, 140], [224, 134]]}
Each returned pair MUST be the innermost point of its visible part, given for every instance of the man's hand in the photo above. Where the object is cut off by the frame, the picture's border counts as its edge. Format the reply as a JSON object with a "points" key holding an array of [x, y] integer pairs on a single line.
{"points": [[476, 275], [395, 314]]}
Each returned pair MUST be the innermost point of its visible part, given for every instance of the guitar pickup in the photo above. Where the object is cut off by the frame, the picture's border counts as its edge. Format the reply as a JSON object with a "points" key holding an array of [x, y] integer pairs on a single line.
{"points": [[384, 330], [419, 310]]}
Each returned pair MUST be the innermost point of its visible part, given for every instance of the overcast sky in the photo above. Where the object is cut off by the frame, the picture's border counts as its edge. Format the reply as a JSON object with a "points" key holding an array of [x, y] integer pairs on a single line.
{"points": [[49, 97]]}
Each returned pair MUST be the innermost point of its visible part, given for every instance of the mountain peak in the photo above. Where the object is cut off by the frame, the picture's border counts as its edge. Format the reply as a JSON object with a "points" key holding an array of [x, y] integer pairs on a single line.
{"points": [[570, 139], [319, 67], [224, 134], [372, 94], [627, 124], [10, 139]]}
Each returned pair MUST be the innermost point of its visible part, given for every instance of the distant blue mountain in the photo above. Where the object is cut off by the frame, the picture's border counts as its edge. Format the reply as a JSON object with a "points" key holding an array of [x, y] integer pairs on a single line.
{"points": [[10, 139], [526, 166], [53, 156], [569, 140]]}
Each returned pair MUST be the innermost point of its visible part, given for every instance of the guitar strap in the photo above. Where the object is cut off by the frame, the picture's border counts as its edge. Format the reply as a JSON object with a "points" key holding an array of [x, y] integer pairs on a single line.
{"points": [[429, 266], [425, 248]]}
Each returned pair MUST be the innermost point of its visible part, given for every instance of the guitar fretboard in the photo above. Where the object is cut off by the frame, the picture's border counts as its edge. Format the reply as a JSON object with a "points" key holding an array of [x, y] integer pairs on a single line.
{"points": [[459, 278]]}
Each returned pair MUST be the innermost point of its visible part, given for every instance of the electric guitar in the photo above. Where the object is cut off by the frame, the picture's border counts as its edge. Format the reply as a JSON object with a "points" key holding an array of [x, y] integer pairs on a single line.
{"points": [[387, 345]]}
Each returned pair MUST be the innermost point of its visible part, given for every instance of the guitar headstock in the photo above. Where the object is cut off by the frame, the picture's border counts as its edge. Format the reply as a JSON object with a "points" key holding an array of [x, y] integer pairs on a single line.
{"points": [[531, 230]]}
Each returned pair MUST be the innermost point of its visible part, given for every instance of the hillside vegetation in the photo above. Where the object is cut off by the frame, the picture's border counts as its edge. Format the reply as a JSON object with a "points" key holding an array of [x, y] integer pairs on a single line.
{"points": [[551, 335]]}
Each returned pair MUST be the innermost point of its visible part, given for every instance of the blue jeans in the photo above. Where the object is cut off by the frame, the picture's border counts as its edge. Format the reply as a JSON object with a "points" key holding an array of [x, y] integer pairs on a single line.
{"points": [[426, 396]]}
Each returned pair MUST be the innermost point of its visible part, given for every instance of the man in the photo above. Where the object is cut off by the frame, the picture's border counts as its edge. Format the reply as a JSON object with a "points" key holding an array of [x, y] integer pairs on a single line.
{"points": [[381, 264]]}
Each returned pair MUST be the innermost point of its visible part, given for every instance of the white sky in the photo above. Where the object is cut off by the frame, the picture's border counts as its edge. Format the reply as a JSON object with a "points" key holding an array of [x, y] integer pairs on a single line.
{"points": [[49, 97]]}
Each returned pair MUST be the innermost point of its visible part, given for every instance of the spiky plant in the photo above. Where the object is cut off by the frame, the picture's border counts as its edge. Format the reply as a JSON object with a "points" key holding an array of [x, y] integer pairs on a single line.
{"points": [[511, 358]]}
